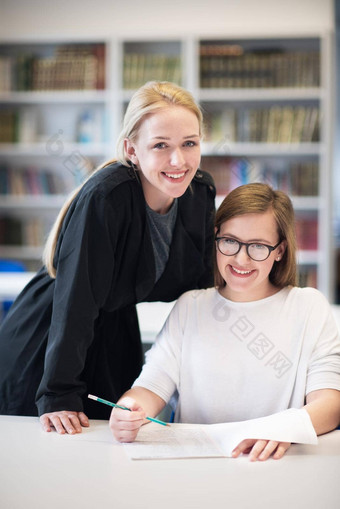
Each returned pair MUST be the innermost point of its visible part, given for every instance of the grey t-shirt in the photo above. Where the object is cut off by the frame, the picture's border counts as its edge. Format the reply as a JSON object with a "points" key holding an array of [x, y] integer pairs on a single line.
{"points": [[161, 229]]}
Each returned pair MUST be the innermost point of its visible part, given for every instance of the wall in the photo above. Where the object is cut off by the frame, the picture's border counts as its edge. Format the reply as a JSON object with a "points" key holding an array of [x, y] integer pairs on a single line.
{"points": [[84, 18]]}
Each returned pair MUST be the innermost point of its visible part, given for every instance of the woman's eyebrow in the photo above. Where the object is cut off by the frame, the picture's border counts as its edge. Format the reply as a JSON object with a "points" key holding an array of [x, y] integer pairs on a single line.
{"points": [[168, 138], [251, 241]]}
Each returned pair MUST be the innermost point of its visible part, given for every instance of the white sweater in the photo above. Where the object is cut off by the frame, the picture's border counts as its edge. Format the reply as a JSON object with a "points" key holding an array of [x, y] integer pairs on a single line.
{"points": [[232, 361]]}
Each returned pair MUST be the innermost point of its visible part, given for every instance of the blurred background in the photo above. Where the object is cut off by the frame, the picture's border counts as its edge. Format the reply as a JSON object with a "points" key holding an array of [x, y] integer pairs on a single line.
{"points": [[265, 73]]}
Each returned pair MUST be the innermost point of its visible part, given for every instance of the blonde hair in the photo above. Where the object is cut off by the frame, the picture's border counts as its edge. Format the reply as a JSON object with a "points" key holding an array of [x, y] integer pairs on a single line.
{"points": [[257, 198], [152, 96]]}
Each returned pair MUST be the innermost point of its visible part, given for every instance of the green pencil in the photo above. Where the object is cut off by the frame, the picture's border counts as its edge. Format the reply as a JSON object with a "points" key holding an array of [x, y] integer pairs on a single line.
{"points": [[124, 408]]}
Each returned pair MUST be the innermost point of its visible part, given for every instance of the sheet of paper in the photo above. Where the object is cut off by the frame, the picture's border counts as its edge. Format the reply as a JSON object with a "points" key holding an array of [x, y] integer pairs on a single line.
{"points": [[172, 442], [215, 440], [293, 425]]}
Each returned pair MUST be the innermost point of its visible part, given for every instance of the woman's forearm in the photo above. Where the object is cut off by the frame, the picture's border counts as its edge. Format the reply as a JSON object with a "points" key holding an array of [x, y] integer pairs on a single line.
{"points": [[151, 403], [323, 407]]}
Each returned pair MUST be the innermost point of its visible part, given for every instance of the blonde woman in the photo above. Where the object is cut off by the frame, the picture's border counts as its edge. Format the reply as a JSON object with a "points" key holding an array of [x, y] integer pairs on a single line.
{"points": [[139, 229]]}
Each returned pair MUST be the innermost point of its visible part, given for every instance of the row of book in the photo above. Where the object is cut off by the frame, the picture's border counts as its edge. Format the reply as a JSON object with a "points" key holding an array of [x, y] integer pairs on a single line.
{"points": [[30, 181], [275, 124], [75, 67], [306, 229], [29, 232], [294, 178], [9, 126], [139, 68], [229, 66], [21, 125]]}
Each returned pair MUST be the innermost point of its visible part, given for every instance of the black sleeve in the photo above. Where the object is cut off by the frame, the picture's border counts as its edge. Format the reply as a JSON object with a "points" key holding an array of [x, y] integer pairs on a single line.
{"points": [[84, 276]]}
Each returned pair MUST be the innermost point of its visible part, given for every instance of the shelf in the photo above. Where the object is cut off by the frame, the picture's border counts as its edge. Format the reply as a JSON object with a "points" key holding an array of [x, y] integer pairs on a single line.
{"points": [[310, 257], [34, 202], [21, 252], [306, 203], [40, 149], [227, 148], [259, 94], [51, 97], [300, 203]]}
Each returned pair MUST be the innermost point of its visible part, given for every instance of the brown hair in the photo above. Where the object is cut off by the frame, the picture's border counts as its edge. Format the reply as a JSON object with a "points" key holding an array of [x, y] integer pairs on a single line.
{"points": [[257, 198], [149, 98]]}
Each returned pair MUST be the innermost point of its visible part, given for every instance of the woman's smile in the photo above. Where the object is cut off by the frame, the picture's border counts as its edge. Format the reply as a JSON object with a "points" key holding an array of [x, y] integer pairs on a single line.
{"points": [[175, 177], [240, 272]]}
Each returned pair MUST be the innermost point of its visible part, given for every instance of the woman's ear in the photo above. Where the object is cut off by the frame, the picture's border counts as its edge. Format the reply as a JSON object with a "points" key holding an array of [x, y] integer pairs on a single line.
{"points": [[130, 151], [281, 250]]}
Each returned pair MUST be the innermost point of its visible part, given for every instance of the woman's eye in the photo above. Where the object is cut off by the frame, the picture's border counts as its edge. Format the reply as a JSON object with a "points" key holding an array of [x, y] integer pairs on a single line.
{"points": [[258, 247], [229, 242], [160, 145], [190, 144]]}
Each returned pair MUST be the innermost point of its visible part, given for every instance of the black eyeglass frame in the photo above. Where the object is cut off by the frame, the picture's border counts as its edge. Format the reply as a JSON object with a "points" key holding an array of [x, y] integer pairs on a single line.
{"points": [[247, 244]]}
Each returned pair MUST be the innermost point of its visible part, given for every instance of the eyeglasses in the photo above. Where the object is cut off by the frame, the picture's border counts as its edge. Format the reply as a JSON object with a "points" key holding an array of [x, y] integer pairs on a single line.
{"points": [[257, 252]]}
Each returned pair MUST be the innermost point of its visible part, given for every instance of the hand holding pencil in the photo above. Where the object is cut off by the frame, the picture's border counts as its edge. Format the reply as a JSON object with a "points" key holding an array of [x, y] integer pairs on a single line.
{"points": [[127, 417]]}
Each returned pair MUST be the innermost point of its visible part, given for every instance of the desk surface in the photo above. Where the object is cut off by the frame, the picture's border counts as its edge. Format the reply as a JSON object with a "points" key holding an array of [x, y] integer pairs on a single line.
{"points": [[45, 470]]}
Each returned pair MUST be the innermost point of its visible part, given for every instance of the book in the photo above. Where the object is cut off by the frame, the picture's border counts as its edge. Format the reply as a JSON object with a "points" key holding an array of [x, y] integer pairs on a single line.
{"points": [[29, 180], [141, 67], [230, 65], [306, 233]]}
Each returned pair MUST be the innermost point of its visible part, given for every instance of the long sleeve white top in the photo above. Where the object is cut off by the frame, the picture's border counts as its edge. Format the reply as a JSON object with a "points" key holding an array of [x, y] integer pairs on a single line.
{"points": [[232, 361]]}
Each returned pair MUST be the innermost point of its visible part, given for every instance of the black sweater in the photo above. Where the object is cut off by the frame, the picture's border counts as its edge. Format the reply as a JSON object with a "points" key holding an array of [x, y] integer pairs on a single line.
{"points": [[79, 333]]}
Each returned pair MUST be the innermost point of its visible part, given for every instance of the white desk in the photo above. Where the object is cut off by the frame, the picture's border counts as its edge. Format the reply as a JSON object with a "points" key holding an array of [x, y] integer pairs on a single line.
{"points": [[48, 471], [11, 283]]}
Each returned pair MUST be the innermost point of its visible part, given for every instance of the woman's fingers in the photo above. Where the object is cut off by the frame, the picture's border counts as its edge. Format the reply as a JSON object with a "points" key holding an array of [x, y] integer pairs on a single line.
{"points": [[125, 424], [281, 449], [83, 419], [261, 449], [64, 422]]}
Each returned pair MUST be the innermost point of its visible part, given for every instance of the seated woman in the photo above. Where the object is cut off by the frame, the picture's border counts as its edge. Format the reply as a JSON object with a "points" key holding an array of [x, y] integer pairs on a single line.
{"points": [[254, 345]]}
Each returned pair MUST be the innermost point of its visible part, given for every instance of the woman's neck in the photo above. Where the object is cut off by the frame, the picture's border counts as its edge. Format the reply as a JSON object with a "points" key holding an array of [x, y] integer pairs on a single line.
{"points": [[156, 200], [251, 296]]}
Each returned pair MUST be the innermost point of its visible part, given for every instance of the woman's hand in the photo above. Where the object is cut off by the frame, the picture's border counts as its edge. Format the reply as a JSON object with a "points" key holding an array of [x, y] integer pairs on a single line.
{"points": [[261, 449], [125, 424], [64, 421]]}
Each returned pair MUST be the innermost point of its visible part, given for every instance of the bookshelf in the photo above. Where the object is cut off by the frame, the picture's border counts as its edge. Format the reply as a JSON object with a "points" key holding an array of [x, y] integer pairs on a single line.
{"points": [[54, 103], [267, 106]]}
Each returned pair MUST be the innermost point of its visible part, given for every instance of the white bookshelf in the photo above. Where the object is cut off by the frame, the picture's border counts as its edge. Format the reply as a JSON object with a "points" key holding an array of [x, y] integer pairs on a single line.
{"points": [[59, 111]]}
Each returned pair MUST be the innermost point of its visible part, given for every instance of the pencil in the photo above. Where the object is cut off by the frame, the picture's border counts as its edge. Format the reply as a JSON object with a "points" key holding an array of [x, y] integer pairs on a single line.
{"points": [[109, 403]]}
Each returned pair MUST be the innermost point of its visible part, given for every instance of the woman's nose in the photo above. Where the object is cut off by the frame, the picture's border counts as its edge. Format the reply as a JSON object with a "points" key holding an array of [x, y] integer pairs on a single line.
{"points": [[242, 256], [177, 158]]}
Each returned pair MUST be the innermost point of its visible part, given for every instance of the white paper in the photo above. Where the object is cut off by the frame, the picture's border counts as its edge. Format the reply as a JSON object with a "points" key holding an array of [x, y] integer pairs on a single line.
{"points": [[293, 425], [219, 440], [172, 442]]}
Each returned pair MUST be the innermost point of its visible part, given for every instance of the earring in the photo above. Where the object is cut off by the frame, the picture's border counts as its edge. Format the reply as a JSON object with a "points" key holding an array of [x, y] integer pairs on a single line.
{"points": [[278, 258]]}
